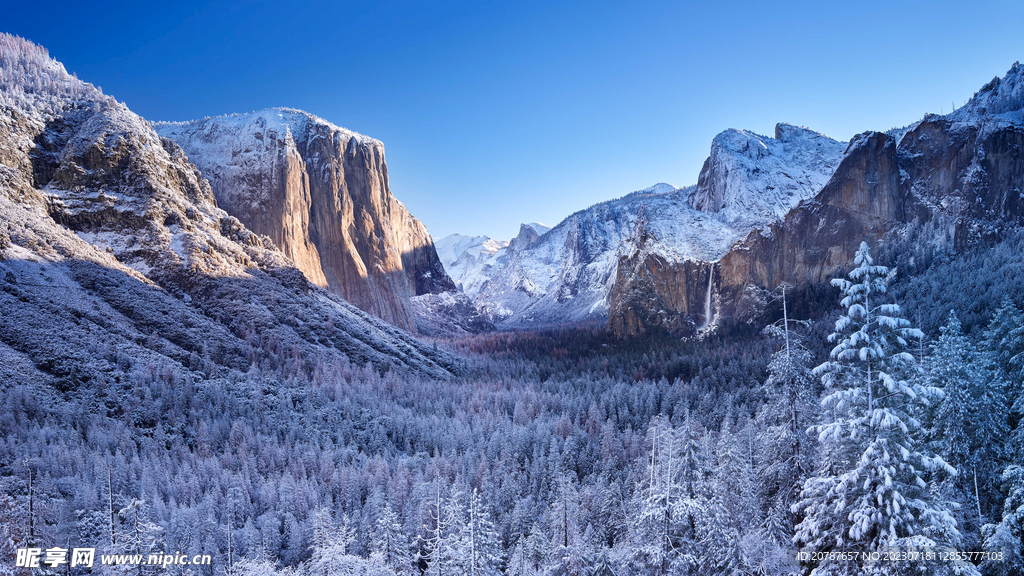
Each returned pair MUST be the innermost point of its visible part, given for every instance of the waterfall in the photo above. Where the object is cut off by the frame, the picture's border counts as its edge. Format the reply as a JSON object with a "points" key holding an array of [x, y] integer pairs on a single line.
{"points": [[707, 299]]}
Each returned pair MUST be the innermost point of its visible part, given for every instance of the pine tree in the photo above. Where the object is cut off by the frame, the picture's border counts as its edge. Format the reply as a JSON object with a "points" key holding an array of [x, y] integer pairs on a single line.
{"points": [[519, 563], [390, 543], [480, 541], [969, 429], [733, 514], [1005, 539], [1004, 346], [440, 548], [331, 554], [720, 551], [871, 491], [568, 552], [137, 534], [788, 452], [12, 533], [662, 537]]}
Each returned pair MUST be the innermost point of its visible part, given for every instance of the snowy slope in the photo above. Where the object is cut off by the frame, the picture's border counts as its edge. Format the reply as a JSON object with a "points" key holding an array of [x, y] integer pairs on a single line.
{"points": [[469, 259], [749, 177]]}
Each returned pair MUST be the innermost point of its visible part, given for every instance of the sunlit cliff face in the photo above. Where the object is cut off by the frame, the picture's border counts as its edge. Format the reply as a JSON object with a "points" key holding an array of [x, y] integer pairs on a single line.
{"points": [[321, 193]]}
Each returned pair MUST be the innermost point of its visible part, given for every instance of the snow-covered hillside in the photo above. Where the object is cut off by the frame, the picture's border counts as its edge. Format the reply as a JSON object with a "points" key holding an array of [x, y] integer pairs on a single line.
{"points": [[566, 274], [112, 241]]}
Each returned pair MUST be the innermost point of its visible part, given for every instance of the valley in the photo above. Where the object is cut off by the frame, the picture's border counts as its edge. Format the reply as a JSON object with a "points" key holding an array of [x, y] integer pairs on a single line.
{"points": [[229, 337]]}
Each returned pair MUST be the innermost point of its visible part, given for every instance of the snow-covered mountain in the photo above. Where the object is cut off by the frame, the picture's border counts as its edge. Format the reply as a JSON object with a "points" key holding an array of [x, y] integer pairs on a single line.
{"points": [[753, 177], [567, 274], [321, 193], [113, 253], [468, 259], [946, 182]]}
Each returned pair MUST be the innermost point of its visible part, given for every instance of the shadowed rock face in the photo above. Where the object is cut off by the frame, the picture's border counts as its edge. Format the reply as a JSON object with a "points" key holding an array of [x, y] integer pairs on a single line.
{"points": [[321, 194], [954, 180], [959, 182]]}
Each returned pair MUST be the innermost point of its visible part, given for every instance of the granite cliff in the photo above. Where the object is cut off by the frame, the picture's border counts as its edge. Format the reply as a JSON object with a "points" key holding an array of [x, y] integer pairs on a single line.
{"points": [[611, 262], [321, 194]]}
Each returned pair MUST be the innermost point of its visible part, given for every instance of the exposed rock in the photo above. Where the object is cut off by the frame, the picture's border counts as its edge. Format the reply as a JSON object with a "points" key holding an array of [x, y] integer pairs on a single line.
{"points": [[321, 193], [952, 180], [528, 235], [862, 201]]}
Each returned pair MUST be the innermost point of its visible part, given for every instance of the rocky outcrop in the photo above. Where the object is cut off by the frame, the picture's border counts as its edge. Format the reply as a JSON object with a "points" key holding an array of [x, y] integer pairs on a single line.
{"points": [[951, 180], [528, 235], [654, 293], [321, 193], [862, 201]]}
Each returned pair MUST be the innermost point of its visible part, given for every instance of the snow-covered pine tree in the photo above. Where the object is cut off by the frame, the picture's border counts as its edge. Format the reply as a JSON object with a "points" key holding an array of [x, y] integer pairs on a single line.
{"points": [[519, 563], [1005, 539], [12, 533], [261, 566], [568, 553], [969, 430], [437, 547], [871, 489], [137, 535], [389, 543], [482, 545], [732, 513], [662, 537], [788, 453], [1004, 345], [331, 554], [535, 547]]}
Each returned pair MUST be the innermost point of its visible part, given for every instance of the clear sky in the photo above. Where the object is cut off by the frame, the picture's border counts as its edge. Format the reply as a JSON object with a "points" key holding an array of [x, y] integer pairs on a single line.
{"points": [[499, 113]]}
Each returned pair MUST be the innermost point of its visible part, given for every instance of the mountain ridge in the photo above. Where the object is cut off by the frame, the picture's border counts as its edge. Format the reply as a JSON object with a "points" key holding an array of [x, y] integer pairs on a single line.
{"points": [[952, 181], [112, 241]]}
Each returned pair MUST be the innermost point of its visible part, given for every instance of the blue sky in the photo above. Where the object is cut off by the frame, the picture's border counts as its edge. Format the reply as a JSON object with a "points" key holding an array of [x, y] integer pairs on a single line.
{"points": [[495, 114]]}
